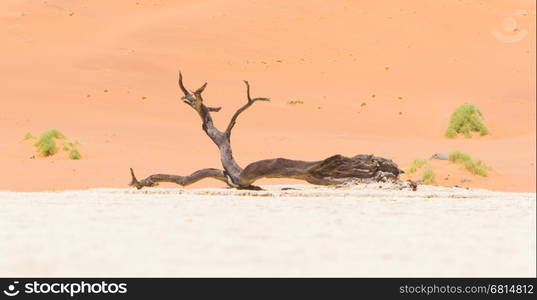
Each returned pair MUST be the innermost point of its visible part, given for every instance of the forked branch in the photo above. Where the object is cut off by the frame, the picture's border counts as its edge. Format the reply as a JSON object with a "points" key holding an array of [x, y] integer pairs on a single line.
{"points": [[194, 99], [243, 108]]}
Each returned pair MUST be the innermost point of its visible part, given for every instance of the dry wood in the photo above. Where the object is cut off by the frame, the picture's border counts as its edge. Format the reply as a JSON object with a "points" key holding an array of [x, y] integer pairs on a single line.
{"points": [[336, 169]]}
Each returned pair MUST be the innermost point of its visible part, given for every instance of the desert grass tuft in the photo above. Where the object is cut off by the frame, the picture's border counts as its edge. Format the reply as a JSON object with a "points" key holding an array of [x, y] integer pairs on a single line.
{"points": [[428, 176], [415, 165], [465, 119], [74, 153], [46, 145], [474, 166]]}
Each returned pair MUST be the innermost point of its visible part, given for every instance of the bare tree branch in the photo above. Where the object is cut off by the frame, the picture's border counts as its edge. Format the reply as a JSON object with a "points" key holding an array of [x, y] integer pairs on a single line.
{"points": [[191, 98], [201, 89], [181, 86], [195, 100], [153, 180], [243, 108]]}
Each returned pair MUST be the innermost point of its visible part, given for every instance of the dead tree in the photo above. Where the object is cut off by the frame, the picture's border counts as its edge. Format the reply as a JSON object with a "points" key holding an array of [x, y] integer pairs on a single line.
{"points": [[335, 169]]}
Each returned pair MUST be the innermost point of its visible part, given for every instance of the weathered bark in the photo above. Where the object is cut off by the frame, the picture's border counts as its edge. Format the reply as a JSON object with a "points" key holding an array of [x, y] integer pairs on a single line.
{"points": [[153, 180], [336, 169]]}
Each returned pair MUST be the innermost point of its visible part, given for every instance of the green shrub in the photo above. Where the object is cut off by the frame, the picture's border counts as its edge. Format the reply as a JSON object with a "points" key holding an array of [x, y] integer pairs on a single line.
{"points": [[46, 145], [71, 147], [415, 165], [476, 167], [465, 119], [428, 176], [458, 156], [74, 154]]}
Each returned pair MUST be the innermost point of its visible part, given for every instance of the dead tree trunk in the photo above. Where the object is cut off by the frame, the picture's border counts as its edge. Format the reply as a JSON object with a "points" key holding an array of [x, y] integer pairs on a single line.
{"points": [[336, 169]]}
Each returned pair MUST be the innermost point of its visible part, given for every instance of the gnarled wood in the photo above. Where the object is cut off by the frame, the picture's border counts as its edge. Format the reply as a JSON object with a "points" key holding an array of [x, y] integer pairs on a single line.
{"points": [[336, 169], [153, 180], [231, 169]]}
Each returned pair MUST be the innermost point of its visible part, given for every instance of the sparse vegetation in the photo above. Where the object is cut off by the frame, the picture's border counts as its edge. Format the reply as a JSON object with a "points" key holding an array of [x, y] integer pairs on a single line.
{"points": [[428, 176], [46, 144], [415, 165], [74, 153], [465, 119], [476, 167], [458, 156], [28, 136], [294, 101], [69, 145]]}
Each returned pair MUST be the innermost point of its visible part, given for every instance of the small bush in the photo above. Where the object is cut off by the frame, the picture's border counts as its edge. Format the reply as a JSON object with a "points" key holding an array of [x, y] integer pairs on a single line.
{"points": [[46, 145], [415, 165], [74, 154], [458, 156], [476, 167], [465, 119], [428, 176], [73, 151]]}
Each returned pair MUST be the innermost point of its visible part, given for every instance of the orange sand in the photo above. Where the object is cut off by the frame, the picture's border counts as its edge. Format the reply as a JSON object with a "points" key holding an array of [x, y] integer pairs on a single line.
{"points": [[420, 58]]}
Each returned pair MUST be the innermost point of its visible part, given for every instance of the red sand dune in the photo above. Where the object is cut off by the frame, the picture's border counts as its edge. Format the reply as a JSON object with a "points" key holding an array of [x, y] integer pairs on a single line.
{"points": [[412, 62]]}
